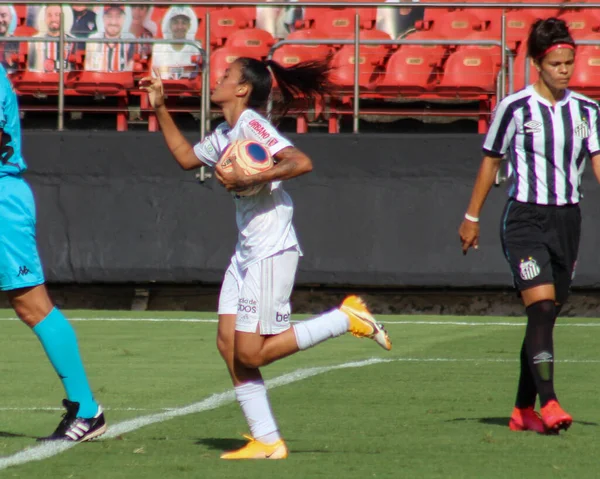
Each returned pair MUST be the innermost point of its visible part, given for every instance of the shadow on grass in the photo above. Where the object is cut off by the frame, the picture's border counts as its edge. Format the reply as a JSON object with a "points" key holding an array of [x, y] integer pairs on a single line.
{"points": [[12, 434], [230, 444], [221, 444], [503, 421]]}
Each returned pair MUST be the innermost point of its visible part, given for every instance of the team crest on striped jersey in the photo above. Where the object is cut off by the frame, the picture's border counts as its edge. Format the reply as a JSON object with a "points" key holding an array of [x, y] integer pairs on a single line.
{"points": [[533, 126], [529, 269], [582, 130]]}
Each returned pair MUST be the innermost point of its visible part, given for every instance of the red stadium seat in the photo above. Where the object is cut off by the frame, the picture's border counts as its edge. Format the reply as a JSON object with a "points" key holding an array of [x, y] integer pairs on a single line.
{"points": [[376, 53], [256, 39], [38, 84], [24, 31], [432, 15], [581, 22], [518, 23], [103, 83], [409, 72], [468, 73], [455, 24], [434, 51], [342, 73], [338, 22], [246, 15], [586, 77], [519, 71], [542, 12], [222, 58], [315, 35], [21, 11], [158, 13], [223, 22], [494, 51], [289, 55], [305, 52]]}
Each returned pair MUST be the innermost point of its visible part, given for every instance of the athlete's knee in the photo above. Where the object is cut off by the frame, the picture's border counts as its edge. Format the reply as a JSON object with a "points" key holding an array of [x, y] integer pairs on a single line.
{"points": [[249, 359], [31, 305]]}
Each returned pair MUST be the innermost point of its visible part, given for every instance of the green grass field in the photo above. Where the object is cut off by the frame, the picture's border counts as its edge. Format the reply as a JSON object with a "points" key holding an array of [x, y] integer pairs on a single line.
{"points": [[437, 406]]}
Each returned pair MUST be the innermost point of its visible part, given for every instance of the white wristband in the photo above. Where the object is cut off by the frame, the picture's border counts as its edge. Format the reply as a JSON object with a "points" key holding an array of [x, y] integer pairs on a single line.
{"points": [[473, 219]]}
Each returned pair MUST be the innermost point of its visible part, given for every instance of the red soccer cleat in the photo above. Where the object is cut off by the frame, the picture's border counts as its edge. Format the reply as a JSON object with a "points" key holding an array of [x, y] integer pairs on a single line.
{"points": [[526, 419], [554, 417]]}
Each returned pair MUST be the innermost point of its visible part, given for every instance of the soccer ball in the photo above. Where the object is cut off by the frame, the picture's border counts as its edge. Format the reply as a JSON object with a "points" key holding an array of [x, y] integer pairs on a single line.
{"points": [[251, 156]]}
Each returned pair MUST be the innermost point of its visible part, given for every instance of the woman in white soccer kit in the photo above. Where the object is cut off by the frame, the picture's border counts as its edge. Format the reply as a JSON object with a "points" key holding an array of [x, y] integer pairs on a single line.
{"points": [[254, 308]]}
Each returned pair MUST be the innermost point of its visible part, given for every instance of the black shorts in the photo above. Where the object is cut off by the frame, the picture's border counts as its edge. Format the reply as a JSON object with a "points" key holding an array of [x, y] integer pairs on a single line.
{"points": [[541, 244]]}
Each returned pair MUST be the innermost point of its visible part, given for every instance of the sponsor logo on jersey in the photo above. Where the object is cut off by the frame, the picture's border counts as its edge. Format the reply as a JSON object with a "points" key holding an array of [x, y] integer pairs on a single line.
{"points": [[262, 133], [282, 318], [260, 130], [208, 147], [247, 306], [529, 269], [533, 126]]}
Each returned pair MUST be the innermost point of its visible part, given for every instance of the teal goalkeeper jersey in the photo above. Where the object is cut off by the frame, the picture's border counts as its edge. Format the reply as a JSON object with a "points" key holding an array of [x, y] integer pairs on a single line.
{"points": [[11, 160]]}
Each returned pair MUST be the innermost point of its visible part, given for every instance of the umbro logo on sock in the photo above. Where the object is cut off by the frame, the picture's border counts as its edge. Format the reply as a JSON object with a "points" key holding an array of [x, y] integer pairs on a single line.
{"points": [[543, 357]]}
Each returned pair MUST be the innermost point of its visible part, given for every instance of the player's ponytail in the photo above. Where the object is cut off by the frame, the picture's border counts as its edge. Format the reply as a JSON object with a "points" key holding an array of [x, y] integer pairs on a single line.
{"points": [[308, 79]]}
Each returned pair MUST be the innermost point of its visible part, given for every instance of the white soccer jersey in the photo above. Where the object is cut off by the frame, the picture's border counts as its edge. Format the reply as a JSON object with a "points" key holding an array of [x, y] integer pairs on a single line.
{"points": [[264, 220]]}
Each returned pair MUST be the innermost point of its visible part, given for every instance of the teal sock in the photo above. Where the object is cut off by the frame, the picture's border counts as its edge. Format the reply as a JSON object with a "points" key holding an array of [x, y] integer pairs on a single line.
{"points": [[58, 340]]}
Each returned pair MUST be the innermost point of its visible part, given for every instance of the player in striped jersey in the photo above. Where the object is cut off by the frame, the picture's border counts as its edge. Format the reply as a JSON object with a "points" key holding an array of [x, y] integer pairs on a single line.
{"points": [[254, 304], [546, 133]]}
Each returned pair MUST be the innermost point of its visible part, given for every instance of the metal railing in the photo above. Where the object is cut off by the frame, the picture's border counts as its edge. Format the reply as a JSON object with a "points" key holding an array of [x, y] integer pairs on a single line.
{"points": [[507, 59], [507, 54]]}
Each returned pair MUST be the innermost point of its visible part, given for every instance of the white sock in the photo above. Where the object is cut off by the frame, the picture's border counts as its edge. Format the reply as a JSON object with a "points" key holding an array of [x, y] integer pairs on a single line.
{"points": [[254, 401], [314, 331]]}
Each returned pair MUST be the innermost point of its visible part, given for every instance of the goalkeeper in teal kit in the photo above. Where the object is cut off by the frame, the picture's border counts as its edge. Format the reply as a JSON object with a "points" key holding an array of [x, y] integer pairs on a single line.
{"points": [[22, 278]]}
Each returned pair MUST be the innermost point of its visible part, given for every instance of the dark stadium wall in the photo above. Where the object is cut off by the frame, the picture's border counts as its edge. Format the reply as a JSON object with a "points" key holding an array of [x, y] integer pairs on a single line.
{"points": [[379, 210]]}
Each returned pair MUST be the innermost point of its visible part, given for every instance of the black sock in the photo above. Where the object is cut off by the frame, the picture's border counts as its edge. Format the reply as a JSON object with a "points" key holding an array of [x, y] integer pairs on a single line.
{"points": [[527, 392], [539, 347]]}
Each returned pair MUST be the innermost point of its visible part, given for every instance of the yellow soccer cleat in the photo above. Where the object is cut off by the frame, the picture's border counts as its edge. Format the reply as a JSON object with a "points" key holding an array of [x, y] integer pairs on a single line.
{"points": [[362, 322], [258, 450]]}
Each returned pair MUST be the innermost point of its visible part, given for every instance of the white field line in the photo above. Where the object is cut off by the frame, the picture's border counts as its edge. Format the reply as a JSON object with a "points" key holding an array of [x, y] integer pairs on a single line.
{"points": [[47, 450], [393, 322]]}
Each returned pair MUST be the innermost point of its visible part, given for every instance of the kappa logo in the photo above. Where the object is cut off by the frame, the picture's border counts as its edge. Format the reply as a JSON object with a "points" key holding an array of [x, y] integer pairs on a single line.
{"points": [[582, 129], [543, 357], [23, 271], [529, 269], [533, 126]]}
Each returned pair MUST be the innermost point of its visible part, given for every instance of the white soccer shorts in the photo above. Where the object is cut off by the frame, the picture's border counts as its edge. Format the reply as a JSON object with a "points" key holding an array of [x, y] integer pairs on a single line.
{"points": [[260, 295]]}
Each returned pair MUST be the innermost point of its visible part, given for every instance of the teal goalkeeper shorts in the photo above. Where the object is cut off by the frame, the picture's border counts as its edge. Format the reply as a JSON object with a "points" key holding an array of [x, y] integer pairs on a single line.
{"points": [[20, 265]]}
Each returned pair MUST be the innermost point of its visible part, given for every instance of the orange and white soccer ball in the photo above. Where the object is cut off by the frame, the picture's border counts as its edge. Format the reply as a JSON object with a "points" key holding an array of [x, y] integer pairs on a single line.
{"points": [[251, 156]]}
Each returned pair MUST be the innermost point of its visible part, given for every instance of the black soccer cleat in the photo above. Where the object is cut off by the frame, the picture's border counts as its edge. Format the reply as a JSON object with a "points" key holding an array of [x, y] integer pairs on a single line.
{"points": [[77, 429]]}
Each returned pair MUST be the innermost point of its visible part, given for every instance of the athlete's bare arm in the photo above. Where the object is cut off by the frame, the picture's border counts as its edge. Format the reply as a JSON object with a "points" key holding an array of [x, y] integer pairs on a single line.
{"points": [[596, 166], [289, 163], [179, 147], [469, 231]]}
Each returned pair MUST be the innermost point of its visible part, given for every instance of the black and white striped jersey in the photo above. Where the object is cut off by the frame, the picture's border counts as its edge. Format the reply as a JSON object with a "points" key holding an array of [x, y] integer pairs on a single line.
{"points": [[546, 146]]}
